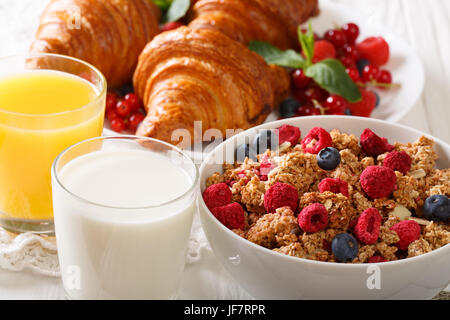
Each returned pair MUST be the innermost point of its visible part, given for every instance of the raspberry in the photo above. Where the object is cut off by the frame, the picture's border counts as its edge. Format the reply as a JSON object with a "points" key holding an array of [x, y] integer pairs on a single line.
{"points": [[313, 218], [376, 259], [323, 49], [334, 185], [398, 161], [280, 195], [372, 145], [368, 226], [316, 140], [232, 215], [364, 107], [408, 231], [374, 49], [378, 181], [217, 195], [288, 133]]}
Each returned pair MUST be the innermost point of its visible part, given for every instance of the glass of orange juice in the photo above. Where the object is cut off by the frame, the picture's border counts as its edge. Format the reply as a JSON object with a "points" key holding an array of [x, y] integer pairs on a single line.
{"points": [[47, 103]]}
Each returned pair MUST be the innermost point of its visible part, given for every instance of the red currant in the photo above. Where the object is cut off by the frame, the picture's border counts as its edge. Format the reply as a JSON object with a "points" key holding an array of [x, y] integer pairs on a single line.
{"points": [[118, 125], [351, 31], [134, 101], [335, 105], [351, 51], [336, 37], [353, 73], [300, 96], [384, 76], [171, 26], [370, 73], [305, 111], [315, 93], [135, 119], [299, 79], [123, 108], [348, 61], [111, 114], [111, 100]]}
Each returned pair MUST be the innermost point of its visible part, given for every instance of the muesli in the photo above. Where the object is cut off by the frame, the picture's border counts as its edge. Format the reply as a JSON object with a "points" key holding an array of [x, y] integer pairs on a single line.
{"points": [[333, 197]]}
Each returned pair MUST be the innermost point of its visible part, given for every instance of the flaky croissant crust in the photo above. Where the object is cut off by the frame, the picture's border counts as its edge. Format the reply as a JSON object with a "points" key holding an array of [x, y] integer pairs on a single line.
{"points": [[190, 75], [274, 21], [110, 34]]}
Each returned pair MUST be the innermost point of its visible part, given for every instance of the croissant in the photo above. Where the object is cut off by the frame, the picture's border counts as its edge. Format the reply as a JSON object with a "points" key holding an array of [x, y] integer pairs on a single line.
{"points": [[273, 21], [109, 34], [188, 75]]}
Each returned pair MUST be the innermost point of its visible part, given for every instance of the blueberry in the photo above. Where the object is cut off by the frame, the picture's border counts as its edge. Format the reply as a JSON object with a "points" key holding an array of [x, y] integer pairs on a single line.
{"points": [[437, 208], [360, 64], [348, 112], [265, 139], [377, 103], [344, 247], [245, 151], [328, 158], [288, 108], [126, 88]]}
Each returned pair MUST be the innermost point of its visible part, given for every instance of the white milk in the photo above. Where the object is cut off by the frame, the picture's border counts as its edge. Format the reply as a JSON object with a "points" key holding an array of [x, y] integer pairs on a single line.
{"points": [[110, 253]]}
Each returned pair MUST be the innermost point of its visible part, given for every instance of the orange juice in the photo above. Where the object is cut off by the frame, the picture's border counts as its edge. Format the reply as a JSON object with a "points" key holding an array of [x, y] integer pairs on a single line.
{"points": [[42, 112]]}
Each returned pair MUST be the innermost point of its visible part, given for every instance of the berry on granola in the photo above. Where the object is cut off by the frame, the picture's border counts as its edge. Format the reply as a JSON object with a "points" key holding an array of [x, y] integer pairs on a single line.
{"points": [[381, 203]]}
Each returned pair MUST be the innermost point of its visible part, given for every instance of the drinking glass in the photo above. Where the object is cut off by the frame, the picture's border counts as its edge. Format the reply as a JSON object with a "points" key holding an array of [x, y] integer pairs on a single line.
{"points": [[29, 142], [111, 251]]}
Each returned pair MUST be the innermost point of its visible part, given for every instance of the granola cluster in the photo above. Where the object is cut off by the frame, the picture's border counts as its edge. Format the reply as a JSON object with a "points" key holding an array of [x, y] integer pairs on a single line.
{"points": [[294, 166]]}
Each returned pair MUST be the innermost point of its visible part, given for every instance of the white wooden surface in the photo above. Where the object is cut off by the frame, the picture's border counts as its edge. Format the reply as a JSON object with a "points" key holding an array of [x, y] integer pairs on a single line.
{"points": [[424, 24]]}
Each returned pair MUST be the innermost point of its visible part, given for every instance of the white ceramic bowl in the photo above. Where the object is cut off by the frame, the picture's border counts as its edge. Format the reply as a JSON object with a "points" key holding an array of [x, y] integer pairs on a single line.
{"points": [[266, 274]]}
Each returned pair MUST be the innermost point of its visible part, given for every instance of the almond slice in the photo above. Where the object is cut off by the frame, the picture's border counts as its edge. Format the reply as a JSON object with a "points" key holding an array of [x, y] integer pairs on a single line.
{"points": [[284, 146], [420, 221], [401, 212], [328, 204], [419, 173]]}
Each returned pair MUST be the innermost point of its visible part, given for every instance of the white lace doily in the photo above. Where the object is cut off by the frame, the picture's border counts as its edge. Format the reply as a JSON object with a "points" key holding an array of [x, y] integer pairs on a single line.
{"points": [[28, 251], [39, 254]]}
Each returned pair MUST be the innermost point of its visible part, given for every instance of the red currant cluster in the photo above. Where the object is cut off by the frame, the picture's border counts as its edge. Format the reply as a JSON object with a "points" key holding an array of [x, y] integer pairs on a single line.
{"points": [[124, 113], [362, 62]]}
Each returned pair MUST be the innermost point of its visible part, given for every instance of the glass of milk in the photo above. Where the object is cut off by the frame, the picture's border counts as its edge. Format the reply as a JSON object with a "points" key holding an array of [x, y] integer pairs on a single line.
{"points": [[123, 210]]}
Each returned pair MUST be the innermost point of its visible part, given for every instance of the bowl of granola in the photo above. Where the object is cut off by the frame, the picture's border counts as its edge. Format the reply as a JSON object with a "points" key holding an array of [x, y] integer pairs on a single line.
{"points": [[330, 207]]}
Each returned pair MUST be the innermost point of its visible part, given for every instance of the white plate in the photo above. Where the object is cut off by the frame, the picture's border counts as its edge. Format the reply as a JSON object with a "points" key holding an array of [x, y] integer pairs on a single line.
{"points": [[404, 64]]}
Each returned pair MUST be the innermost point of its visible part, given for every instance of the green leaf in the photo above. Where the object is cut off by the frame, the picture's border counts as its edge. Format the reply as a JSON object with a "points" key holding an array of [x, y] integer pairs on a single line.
{"points": [[163, 4], [330, 75], [273, 55], [307, 43], [177, 10]]}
